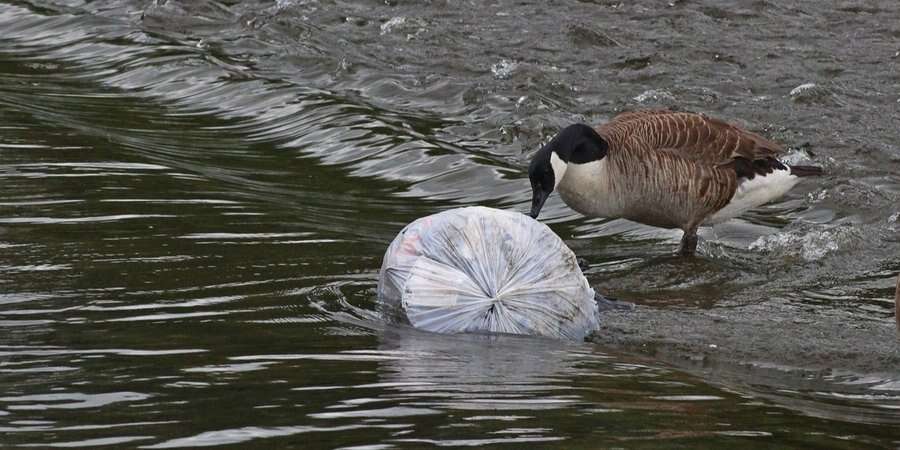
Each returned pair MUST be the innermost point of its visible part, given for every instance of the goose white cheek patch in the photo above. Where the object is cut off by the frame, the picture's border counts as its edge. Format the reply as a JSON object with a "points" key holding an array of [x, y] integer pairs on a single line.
{"points": [[559, 169]]}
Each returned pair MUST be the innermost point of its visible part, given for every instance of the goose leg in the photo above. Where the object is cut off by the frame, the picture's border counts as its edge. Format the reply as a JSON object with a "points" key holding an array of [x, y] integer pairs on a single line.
{"points": [[688, 243]]}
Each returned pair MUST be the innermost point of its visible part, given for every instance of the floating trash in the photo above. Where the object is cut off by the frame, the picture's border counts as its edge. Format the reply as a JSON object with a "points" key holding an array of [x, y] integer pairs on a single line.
{"points": [[479, 269]]}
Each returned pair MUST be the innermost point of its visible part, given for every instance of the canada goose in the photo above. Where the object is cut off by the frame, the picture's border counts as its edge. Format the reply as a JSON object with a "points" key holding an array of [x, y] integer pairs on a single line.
{"points": [[662, 168]]}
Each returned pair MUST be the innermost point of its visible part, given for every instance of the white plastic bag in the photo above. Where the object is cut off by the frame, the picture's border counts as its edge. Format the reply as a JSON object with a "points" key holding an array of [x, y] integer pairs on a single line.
{"points": [[479, 269]]}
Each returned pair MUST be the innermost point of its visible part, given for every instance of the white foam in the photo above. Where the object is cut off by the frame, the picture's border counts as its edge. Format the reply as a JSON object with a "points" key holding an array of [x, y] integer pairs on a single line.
{"points": [[504, 69], [654, 95], [390, 25], [811, 245], [803, 88]]}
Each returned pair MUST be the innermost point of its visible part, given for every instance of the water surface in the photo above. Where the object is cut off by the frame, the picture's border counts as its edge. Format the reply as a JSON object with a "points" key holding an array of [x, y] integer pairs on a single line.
{"points": [[196, 196]]}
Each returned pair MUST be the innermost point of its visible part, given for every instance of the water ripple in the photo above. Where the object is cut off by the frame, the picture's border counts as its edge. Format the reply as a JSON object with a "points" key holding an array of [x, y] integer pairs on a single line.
{"points": [[72, 400]]}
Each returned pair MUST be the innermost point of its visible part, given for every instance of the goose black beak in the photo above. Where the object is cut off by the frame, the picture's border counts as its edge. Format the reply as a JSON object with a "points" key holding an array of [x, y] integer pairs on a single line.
{"points": [[538, 197]]}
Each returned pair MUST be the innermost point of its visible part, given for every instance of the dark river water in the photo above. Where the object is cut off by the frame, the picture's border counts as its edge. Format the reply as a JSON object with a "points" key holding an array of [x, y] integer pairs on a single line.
{"points": [[195, 197]]}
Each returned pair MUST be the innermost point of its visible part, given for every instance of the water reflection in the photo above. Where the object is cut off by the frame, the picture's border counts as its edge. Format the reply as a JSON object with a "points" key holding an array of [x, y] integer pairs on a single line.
{"points": [[481, 372]]}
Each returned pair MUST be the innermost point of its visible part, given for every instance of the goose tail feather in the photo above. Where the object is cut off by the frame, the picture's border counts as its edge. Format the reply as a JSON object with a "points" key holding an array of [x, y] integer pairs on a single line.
{"points": [[806, 171]]}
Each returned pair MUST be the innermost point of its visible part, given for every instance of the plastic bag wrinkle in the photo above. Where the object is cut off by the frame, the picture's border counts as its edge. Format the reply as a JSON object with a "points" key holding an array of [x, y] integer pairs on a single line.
{"points": [[485, 270]]}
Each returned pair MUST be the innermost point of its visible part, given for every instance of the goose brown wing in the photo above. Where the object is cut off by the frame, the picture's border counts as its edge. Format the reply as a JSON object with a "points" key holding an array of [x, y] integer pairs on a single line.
{"points": [[710, 154], [695, 136]]}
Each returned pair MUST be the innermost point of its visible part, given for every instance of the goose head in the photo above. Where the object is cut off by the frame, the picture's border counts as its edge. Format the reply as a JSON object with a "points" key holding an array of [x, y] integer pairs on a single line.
{"points": [[576, 144]]}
